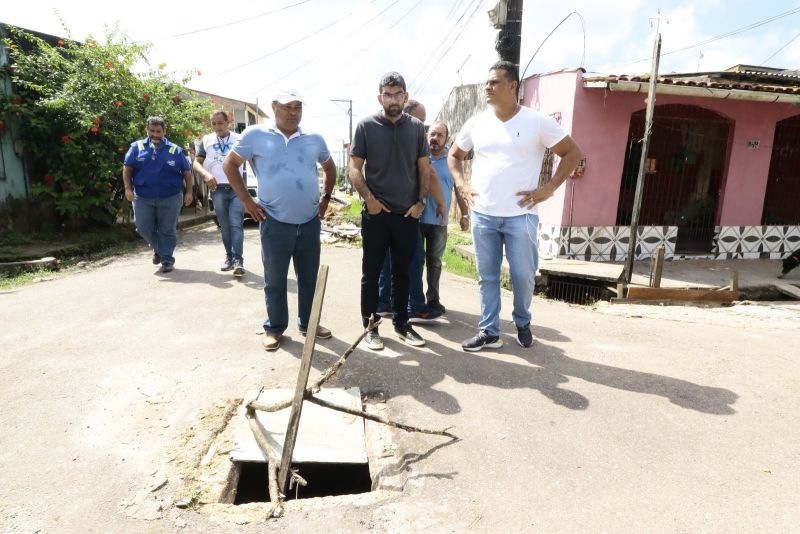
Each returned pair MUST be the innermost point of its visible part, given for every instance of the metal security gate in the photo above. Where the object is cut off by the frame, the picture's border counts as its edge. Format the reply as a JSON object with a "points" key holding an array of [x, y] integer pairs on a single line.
{"points": [[685, 167], [782, 199]]}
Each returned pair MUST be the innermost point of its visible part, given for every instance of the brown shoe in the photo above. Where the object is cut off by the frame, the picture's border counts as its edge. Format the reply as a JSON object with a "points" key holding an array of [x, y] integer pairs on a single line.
{"points": [[271, 341], [322, 332]]}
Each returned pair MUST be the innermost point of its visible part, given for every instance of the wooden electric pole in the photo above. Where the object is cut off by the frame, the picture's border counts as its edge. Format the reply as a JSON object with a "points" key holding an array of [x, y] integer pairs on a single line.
{"points": [[648, 126], [509, 37]]}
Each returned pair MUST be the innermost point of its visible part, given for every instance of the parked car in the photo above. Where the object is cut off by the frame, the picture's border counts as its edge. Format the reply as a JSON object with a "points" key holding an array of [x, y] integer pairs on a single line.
{"points": [[252, 188]]}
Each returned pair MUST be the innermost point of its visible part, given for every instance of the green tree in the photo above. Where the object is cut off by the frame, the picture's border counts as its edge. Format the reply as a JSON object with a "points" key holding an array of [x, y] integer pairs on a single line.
{"points": [[79, 106]]}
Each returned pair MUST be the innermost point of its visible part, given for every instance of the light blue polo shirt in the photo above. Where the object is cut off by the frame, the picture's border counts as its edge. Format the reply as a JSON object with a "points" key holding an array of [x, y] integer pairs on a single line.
{"points": [[446, 180], [286, 169]]}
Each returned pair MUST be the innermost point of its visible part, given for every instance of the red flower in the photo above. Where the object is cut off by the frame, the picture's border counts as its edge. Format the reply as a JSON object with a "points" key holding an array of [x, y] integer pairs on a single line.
{"points": [[98, 120], [48, 179], [108, 186], [90, 45], [2, 125], [65, 139], [118, 103], [17, 101], [60, 42], [109, 64], [146, 96], [95, 129]]}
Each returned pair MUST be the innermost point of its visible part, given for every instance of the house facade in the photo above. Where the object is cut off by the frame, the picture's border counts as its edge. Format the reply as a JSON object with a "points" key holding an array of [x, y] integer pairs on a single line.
{"points": [[722, 172]]}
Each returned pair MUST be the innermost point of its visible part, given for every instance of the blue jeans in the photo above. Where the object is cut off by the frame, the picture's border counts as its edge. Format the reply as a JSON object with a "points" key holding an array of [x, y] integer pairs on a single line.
{"points": [[280, 243], [435, 238], [230, 215], [157, 222], [518, 234], [416, 297]]}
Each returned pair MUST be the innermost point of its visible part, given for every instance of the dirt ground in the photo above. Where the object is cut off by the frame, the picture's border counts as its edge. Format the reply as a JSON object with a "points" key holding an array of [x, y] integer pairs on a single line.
{"points": [[116, 381]]}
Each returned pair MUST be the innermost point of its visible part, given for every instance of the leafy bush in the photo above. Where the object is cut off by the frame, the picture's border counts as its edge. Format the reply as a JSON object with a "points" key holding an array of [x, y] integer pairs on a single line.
{"points": [[78, 107]]}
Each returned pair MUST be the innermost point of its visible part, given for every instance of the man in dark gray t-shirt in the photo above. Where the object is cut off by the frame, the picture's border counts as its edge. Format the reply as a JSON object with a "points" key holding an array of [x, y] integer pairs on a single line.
{"points": [[394, 186]]}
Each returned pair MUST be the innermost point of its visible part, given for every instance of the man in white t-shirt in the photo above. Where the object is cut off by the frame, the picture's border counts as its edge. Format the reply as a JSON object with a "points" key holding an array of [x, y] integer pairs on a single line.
{"points": [[211, 152], [509, 142]]}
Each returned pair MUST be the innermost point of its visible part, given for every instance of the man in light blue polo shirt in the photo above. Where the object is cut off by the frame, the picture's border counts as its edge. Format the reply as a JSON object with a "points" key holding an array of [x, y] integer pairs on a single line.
{"points": [[289, 207]]}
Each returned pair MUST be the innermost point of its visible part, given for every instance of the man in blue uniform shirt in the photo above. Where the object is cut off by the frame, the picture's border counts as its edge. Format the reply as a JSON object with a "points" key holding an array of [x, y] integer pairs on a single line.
{"points": [[289, 208], [158, 181]]}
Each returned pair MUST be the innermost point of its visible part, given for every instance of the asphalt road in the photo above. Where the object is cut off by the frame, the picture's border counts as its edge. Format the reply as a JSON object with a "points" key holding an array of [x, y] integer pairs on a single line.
{"points": [[619, 419]]}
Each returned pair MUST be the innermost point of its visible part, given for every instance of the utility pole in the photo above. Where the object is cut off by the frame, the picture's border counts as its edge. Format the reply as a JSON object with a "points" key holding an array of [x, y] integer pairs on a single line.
{"points": [[350, 133], [509, 22], [648, 126]]}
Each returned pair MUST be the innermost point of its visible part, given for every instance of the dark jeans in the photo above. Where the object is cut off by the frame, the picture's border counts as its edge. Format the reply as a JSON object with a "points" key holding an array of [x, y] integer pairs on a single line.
{"points": [[435, 238], [382, 232], [416, 297], [280, 243]]}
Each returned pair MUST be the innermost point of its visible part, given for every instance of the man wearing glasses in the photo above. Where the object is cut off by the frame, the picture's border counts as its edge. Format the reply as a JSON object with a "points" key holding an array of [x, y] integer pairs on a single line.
{"points": [[390, 169]]}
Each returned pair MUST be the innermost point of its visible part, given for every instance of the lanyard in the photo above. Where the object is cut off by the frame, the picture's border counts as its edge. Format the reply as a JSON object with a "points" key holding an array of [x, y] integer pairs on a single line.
{"points": [[223, 146]]}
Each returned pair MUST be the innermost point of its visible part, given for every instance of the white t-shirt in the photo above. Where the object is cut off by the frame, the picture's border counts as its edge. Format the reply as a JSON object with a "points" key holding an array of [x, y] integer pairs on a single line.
{"points": [[215, 149], [508, 157]]}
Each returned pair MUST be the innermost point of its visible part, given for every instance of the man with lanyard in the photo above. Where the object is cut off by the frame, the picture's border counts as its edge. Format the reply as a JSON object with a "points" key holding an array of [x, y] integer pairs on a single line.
{"points": [[289, 208], [432, 227], [211, 152], [394, 186], [509, 141], [155, 172]]}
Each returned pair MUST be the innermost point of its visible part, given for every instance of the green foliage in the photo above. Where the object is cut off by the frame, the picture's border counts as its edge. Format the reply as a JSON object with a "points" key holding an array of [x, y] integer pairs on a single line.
{"points": [[454, 260], [79, 106]]}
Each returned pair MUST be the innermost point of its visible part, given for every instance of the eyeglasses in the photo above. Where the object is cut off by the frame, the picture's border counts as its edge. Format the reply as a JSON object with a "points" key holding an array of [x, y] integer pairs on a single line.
{"points": [[393, 96]]}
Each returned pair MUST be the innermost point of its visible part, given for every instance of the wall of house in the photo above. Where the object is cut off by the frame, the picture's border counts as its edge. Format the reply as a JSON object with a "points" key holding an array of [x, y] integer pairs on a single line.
{"points": [[601, 129]]}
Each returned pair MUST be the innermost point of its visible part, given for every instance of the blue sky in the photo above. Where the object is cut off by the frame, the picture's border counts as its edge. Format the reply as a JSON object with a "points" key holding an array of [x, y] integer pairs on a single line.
{"points": [[339, 48]]}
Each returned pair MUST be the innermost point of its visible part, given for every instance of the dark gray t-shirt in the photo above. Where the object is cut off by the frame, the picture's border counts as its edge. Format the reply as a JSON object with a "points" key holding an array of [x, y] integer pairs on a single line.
{"points": [[391, 151]]}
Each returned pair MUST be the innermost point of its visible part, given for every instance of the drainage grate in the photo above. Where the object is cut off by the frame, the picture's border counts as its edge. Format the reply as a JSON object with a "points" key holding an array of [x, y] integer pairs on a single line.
{"points": [[324, 480], [575, 290]]}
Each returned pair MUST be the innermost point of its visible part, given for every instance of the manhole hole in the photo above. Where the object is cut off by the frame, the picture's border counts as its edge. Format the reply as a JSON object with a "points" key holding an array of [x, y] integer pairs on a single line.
{"points": [[323, 480], [575, 290]]}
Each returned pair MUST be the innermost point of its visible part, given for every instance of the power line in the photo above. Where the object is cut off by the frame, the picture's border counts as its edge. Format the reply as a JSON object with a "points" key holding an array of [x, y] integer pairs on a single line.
{"points": [[231, 23], [781, 48], [433, 69], [433, 57], [728, 34], [315, 58], [583, 57], [281, 49]]}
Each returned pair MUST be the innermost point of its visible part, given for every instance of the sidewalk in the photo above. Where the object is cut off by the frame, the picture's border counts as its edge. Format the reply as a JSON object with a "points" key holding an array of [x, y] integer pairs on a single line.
{"points": [[757, 278]]}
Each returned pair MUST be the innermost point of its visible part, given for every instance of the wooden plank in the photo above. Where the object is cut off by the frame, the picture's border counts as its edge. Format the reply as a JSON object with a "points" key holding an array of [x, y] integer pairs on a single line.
{"points": [[788, 289], [302, 379], [694, 295], [658, 267]]}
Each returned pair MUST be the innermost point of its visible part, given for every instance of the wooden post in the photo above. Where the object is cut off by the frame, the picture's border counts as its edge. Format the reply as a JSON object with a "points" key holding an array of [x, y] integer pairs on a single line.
{"points": [[655, 281], [637, 198], [302, 379]]}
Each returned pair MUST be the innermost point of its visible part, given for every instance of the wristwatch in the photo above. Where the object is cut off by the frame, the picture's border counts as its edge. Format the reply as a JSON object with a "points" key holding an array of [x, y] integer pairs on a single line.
{"points": [[423, 201]]}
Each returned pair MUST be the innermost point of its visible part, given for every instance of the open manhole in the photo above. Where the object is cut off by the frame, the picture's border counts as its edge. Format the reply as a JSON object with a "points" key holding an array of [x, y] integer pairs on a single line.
{"points": [[576, 290], [330, 453]]}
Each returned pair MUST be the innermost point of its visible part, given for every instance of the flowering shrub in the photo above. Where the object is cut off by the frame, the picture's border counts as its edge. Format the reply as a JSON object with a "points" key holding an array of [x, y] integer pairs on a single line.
{"points": [[78, 107]]}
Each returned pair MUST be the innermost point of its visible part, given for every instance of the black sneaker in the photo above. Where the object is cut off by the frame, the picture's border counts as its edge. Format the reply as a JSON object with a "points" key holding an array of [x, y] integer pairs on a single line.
{"points": [[524, 336], [227, 265], [238, 268], [373, 340], [482, 341], [437, 306], [156, 258], [167, 267], [406, 333]]}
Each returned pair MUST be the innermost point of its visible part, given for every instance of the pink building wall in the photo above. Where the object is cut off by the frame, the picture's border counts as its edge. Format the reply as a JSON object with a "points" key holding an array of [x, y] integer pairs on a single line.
{"points": [[599, 120]]}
